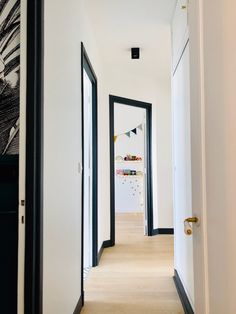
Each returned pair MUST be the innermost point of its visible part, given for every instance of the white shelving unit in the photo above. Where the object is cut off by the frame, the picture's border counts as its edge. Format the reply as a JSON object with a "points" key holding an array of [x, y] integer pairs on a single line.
{"points": [[129, 176], [130, 187], [129, 162]]}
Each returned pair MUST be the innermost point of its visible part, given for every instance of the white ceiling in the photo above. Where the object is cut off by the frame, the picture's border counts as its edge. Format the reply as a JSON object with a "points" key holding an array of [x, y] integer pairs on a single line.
{"points": [[119, 21], [121, 24]]}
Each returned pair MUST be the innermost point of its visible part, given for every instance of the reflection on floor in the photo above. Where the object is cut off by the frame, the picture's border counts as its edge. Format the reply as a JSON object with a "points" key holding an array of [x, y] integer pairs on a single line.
{"points": [[135, 276]]}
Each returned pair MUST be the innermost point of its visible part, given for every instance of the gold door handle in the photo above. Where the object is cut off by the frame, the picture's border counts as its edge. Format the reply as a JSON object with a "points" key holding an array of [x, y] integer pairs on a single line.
{"points": [[192, 219], [183, 7], [187, 227]]}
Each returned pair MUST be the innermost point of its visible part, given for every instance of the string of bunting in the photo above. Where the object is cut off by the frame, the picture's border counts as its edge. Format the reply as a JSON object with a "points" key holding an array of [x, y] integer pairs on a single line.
{"points": [[134, 131]]}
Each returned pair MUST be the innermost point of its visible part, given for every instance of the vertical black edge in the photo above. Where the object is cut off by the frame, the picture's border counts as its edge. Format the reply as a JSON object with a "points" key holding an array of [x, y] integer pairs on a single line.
{"points": [[149, 170], [148, 107], [95, 173], [86, 64], [82, 193], [33, 298], [112, 172], [79, 306], [182, 294]]}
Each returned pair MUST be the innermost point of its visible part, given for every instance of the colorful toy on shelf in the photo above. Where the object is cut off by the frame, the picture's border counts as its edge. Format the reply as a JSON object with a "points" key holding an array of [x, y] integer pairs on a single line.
{"points": [[132, 158], [119, 172], [128, 172]]}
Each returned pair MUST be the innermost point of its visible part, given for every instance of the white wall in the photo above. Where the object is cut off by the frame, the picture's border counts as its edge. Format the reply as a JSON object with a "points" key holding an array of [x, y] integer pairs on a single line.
{"points": [[127, 118], [133, 79], [66, 26], [118, 26]]}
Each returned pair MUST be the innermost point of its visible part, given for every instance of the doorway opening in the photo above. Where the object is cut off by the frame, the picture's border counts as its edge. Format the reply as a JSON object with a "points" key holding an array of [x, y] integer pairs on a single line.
{"points": [[89, 165], [130, 163]]}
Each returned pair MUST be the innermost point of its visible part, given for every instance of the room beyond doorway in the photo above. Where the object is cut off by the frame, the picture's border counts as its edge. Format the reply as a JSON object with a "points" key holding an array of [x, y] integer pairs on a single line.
{"points": [[117, 179]]}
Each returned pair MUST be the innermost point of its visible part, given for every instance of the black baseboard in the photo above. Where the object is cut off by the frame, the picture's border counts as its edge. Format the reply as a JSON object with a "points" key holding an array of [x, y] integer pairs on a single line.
{"points": [[79, 306], [182, 294], [105, 244], [162, 231]]}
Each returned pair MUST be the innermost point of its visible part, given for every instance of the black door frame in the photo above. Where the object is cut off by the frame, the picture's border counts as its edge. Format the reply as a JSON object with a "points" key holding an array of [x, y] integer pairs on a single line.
{"points": [[148, 107], [34, 159], [86, 64]]}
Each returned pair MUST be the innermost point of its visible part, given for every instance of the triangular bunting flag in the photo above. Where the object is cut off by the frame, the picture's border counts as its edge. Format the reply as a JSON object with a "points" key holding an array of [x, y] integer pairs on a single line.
{"points": [[115, 138], [134, 131], [140, 127], [127, 134]]}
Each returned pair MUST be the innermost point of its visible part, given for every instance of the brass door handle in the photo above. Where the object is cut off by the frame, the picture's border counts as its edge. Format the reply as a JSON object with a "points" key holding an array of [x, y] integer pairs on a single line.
{"points": [[192, 219], [187, 227]]}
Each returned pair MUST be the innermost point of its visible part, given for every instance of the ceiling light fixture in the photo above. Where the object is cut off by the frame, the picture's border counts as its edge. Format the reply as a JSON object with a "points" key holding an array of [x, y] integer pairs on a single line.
{"points": [[135, 53]]}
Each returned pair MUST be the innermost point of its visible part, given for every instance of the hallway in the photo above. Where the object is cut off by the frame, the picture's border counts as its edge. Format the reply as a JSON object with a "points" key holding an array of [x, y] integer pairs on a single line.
{"points": [[135, 276]]}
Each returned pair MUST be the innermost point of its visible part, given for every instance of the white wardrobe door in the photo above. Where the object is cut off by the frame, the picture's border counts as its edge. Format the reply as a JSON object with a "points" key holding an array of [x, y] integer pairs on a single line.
{"points": [[182, 173]]}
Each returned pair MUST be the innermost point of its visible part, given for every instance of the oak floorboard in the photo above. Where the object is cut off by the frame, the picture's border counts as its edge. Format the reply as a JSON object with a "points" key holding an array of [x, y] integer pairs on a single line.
{"points": [[135, 276]]}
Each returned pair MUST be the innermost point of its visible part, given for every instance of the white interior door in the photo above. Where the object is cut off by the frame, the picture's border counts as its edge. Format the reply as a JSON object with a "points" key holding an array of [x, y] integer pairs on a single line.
{"points": [[87, 172], [197, 113], [189, 136], [182, 174]]}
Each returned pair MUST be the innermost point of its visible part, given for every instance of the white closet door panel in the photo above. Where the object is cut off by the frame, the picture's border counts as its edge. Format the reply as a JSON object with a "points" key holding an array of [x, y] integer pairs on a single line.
{"points": [[182, 173]]}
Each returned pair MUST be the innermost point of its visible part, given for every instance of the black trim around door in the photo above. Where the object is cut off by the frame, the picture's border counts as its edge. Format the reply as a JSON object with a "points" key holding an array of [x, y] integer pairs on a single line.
{"points": [[148, 108], [34, 159], [86, 64], [163, 231]]}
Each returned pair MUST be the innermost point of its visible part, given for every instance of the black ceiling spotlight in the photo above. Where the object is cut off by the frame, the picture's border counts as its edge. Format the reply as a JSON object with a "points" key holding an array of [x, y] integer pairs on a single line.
{"points": [[135, 53]]}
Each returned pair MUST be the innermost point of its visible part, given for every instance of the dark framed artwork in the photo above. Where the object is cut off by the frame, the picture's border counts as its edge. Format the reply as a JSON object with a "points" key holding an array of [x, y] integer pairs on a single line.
{"points": [[9, 76], [10, 18]]}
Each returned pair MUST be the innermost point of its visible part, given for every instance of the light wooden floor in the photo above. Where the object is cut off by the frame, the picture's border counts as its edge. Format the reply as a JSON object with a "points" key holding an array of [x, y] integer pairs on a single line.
{"points": [[135, 276]]}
